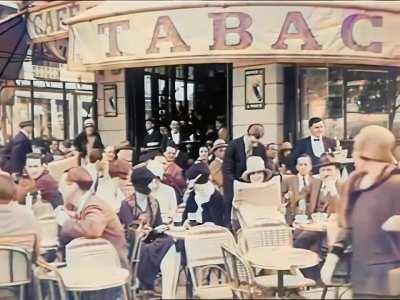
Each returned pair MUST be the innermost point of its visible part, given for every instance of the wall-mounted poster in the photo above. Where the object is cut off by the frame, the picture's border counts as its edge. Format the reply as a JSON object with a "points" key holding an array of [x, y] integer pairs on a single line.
{"points": [[110, 100], [254, 89]]}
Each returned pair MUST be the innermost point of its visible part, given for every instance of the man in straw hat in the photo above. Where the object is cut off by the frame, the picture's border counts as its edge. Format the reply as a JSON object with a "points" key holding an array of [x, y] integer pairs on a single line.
{"points": [[371, 197], [218, 150], [16, 150]]}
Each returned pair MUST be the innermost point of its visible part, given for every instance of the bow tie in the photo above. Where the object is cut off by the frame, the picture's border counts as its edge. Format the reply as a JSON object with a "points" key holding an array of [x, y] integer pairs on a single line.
{"points": [[316, 140]]}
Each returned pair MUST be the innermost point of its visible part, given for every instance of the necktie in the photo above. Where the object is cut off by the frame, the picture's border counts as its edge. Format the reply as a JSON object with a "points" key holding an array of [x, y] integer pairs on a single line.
{"points": [[304, 181], [316, 140]]}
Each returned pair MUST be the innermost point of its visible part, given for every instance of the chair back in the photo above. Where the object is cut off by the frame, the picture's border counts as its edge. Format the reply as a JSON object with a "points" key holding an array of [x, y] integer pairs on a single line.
{"points": [[203, 250], [265, 236], [16, 266], [240, 274], [49, 227], [43, 210], [91, 255]]}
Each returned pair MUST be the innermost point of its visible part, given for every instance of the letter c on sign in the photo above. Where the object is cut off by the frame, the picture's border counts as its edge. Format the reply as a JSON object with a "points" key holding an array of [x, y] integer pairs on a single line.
{"points": [[347, 32]]}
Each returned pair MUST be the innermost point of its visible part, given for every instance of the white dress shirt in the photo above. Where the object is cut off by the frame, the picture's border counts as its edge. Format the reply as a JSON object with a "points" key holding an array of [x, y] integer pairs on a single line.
{"points": [[317, 145], [176, 137], [301, 182]]}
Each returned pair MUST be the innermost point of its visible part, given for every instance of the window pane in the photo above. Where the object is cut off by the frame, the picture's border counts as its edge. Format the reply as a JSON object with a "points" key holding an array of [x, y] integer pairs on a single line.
{"points": [[366, 99], [179, 90], [321, 95], [367, 91]]}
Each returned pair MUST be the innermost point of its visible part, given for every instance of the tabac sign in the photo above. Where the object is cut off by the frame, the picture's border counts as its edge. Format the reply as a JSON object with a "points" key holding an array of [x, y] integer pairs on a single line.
{"points": [[226, 34]]}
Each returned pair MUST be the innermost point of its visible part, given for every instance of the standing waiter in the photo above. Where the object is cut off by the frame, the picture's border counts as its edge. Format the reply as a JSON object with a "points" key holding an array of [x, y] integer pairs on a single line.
{"points": [[235, 158], [15, 152], [315, 144]]}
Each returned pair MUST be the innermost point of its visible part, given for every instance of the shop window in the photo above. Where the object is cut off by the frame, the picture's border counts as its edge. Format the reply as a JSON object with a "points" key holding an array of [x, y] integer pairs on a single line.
{"points": [[321, 94], [366, 99]]}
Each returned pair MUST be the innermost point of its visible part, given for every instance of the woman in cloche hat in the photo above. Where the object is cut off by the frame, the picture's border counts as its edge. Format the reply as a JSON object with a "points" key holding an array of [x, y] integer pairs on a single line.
{"points": [[371, 198]]}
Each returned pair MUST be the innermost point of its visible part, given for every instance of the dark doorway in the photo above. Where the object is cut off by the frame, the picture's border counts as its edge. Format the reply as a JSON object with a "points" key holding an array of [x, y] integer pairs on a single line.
{"points": [[194, 95]]}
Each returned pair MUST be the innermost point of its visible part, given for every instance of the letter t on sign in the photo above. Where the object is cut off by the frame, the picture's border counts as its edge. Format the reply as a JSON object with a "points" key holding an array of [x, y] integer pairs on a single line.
{"points": [[221, 30], [112, 36]]}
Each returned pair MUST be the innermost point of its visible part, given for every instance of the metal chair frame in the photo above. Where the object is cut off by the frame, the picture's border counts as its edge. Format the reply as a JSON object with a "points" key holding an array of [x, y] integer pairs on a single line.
{"points": [[12, 251]]}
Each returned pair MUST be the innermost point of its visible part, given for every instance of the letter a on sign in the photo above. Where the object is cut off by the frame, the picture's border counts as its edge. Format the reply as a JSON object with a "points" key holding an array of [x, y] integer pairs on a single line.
{"points": [[303, 32], [170, 35]]}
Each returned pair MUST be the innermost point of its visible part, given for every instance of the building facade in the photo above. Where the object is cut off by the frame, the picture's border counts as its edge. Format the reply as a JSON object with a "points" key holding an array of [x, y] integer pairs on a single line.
{"points": [[277, 63]]}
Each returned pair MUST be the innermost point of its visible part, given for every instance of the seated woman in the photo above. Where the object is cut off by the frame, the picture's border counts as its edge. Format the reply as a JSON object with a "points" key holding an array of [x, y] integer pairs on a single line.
{"points": [[204, 203], [256, 174], [158, 253]]}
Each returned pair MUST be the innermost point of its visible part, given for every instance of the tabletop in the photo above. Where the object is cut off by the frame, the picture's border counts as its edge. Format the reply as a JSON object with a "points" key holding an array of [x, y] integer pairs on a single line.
{"points": [[281, 258], [312, 226]]}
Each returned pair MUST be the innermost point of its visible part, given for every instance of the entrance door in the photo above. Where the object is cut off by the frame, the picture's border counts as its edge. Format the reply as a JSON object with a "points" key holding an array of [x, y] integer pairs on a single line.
{"points": [[194, 95]]}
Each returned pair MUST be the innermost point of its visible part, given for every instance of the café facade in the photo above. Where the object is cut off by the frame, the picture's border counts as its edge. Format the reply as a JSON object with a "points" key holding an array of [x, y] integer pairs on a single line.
{"points": [[277, 63]]}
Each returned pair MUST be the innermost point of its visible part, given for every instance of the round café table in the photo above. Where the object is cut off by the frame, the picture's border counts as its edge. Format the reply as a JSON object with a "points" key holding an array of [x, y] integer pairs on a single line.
{"points": [[281, 259]]}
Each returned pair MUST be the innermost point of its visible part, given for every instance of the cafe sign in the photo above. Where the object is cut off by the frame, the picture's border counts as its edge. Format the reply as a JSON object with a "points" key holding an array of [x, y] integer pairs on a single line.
{"points": [[287, 33], [45, 22]]}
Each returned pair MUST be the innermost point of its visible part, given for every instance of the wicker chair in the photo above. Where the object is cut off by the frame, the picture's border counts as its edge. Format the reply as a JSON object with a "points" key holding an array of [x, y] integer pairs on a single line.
{"points": [[92, 265], [241, 276], [205, 259], [272, 236]]}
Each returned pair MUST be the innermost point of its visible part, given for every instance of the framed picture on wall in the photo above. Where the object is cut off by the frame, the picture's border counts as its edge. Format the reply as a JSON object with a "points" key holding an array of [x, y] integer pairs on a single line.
{"points": [[254, 89], [110, 100]]}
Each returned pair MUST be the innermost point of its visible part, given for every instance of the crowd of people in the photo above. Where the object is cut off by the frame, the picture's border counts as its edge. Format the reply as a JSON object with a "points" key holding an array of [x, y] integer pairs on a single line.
{"points": [[179, 178]]}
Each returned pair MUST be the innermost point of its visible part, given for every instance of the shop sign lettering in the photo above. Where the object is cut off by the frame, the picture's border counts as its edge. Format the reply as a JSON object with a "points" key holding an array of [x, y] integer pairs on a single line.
{"points": [[165, 31]]}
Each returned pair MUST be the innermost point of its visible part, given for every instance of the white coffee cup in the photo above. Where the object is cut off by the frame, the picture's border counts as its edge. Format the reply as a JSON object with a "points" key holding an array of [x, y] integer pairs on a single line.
{"points": [[301, 219]]}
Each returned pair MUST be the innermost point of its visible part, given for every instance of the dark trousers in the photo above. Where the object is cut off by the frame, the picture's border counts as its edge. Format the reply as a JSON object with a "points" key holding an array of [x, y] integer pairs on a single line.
{"points": [[310, 240]]}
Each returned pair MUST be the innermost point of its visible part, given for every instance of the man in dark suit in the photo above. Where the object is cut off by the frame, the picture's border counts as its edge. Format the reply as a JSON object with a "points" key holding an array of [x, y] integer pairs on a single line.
{"points": [[235, 158], [315, 144], [176, 136], [18, 148], [152, 138]]}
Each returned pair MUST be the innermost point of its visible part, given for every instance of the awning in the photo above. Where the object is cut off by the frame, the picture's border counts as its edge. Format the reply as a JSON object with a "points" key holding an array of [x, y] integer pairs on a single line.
{"points": [[121, 34], [14, 45]]}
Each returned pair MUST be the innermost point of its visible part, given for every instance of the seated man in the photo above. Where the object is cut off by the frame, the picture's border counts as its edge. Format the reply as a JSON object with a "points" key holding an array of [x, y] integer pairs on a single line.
{"points": [[158, 250], [16, 219], [43, 181], [204, 202], [86, 215], [296, 187], [218, 150], [323, 198]]}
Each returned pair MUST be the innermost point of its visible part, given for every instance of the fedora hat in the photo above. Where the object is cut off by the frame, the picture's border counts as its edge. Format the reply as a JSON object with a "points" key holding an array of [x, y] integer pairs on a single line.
{"points": [[327, 159], [375, 143], [255, 164], [220, 143]]}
